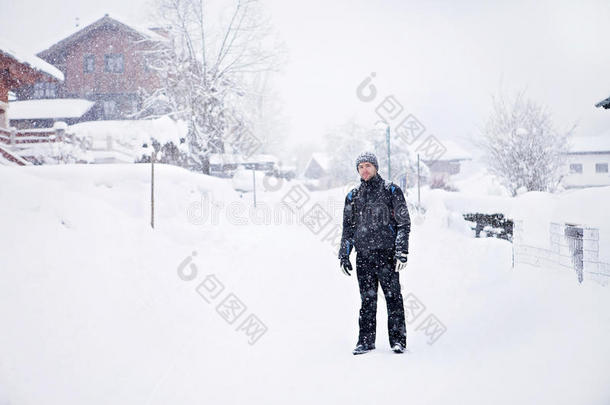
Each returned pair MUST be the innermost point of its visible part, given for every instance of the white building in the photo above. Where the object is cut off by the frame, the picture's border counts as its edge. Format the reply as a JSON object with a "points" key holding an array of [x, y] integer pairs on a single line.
{"points": [[588, 161]]}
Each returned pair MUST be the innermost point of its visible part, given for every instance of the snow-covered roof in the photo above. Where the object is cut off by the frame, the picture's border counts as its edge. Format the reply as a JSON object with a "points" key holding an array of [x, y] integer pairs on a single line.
{"points": [[582, 144], [323, 159], [49, 108], [454, 151], [78, 33], [33, 61]]}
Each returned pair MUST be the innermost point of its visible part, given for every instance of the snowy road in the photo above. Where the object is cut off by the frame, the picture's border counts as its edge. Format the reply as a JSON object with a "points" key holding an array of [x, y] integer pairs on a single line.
{"points": [[93, 310]]}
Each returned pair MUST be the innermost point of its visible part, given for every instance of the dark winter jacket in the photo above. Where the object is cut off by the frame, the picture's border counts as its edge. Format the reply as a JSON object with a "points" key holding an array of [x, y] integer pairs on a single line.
{"points": [[375, 216]]}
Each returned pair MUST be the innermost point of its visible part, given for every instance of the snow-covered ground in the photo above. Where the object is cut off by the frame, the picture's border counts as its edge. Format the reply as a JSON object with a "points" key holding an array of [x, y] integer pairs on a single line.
{"points": [[96, 307]]}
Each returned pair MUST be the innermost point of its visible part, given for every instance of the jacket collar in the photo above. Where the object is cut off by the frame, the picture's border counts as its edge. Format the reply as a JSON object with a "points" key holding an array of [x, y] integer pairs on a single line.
{"points": [[375, 180]]}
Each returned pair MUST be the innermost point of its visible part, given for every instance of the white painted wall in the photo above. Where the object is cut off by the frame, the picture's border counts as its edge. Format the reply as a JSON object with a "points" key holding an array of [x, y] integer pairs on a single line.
{"points": [[588, 177]]}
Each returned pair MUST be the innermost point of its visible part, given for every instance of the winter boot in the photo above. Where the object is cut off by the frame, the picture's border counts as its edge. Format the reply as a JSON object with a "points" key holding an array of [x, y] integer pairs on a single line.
{"points": [[398, 348], [361, 349]]}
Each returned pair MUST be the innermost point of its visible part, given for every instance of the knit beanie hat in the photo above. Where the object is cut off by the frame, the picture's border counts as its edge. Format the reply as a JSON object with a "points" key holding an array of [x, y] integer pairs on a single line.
{"points": [[367, 157]]}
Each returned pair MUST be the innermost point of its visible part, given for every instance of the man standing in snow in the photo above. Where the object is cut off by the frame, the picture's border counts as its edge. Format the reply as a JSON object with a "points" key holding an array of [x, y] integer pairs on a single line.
{"points": [[376, 223]]}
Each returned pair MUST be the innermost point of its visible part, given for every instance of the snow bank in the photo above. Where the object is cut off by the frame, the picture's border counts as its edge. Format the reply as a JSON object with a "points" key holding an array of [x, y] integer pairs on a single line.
{"points": [[481, 193], [124, 140], [136, 132]]}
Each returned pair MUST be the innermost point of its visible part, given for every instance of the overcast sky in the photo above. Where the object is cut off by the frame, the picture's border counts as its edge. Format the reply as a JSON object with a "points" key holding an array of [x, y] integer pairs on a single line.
{"points": [[440, 59]]}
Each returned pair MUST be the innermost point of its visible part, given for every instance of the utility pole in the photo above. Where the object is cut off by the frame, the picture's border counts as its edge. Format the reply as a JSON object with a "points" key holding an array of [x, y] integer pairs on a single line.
{"points": [[152, 188], [387, 138], [254, 184], [418, 182]]}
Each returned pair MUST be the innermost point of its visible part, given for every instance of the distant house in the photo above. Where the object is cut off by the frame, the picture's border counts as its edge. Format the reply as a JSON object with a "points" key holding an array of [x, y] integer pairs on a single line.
{"points": [[19, 69], [318, 166], [588, 161], [226, 164], [104, 62], [317, 172], [45, 113], [449, 163]]}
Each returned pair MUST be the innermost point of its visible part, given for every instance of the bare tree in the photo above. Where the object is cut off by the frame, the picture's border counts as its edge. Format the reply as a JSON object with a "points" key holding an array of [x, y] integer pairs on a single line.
{"points": [[205, 69], [521, 146]]}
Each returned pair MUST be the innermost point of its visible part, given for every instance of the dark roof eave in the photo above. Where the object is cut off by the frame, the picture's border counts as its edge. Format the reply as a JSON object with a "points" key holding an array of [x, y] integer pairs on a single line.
{"points": [[605, 103]]}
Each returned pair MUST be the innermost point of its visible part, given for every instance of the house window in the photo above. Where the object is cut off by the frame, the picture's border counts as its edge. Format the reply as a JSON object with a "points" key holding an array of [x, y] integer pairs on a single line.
{"points": [[38, 90], [113, 63], [576, 168], [44, 90], [601, 167], [146, 64], [89, 64], [109, 108]]}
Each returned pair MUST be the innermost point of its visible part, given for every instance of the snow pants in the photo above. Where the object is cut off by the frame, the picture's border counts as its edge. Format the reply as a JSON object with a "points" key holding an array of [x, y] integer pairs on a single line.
{"points": [[376, 267]]}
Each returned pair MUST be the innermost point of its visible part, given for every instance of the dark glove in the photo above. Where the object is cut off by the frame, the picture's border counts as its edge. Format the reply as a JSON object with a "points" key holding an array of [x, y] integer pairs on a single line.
{"points": [[346, 266], [401, 261]]}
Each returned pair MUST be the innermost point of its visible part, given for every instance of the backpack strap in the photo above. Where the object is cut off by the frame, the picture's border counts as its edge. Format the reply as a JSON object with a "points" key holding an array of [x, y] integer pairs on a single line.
{"points": [[390, 189], [389, 186], [353, 193]]}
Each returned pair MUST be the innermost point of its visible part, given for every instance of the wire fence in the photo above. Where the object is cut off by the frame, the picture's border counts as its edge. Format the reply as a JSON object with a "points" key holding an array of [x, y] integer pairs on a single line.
{"points": [[572, 247]]}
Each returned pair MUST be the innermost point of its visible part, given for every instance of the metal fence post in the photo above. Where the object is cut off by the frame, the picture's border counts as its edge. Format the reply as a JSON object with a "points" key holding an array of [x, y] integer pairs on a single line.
{"points": [[574, 234]]}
